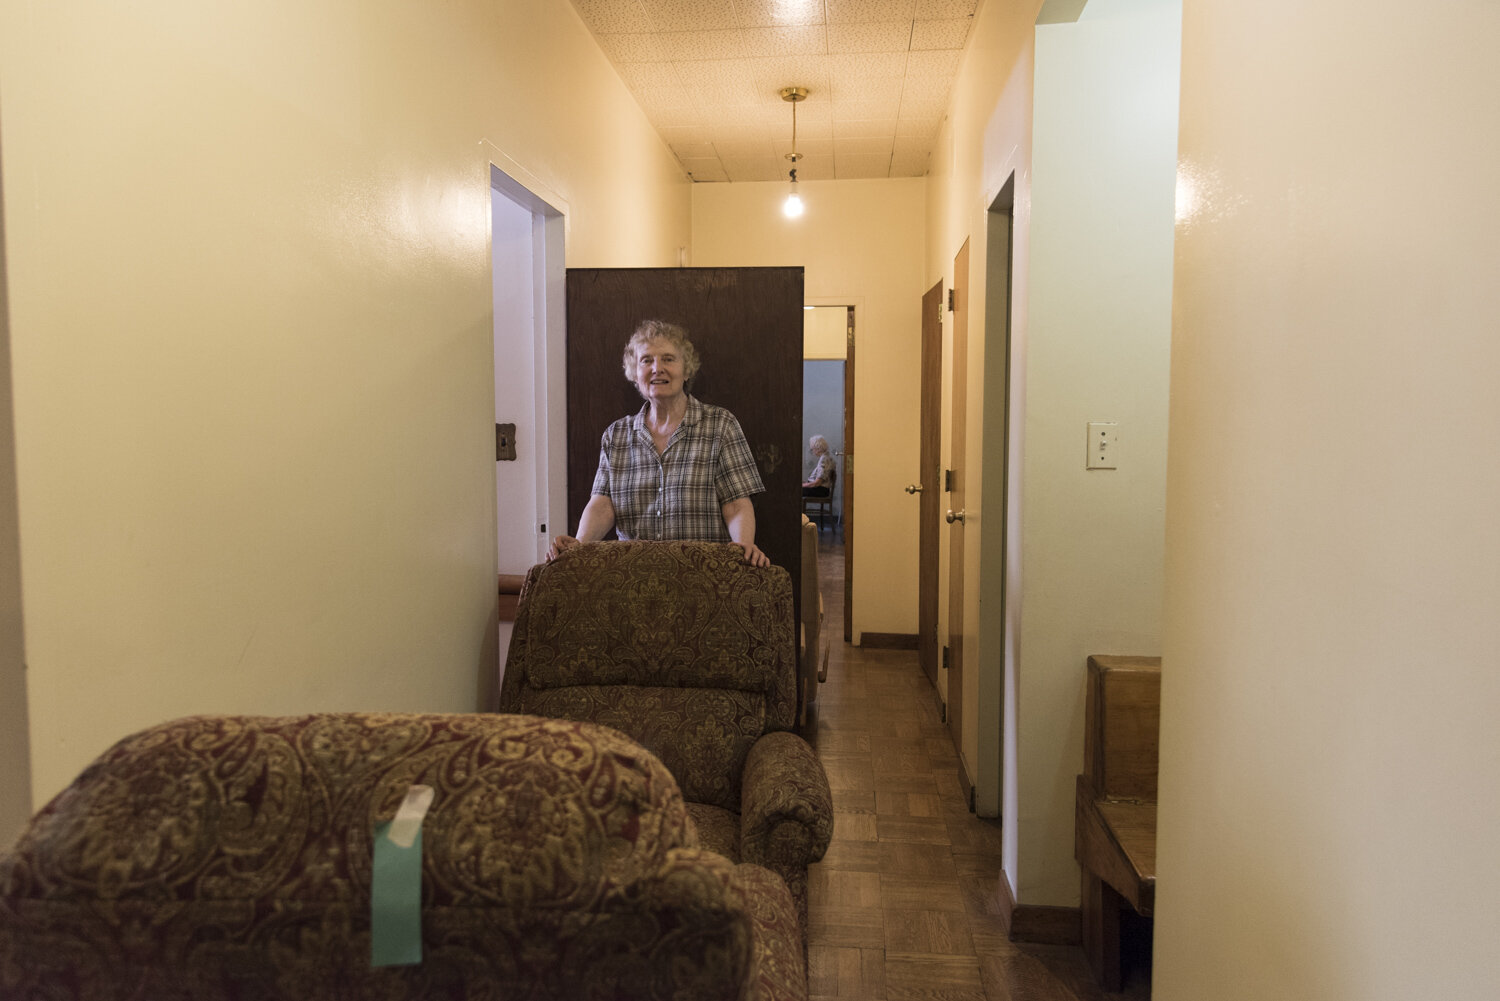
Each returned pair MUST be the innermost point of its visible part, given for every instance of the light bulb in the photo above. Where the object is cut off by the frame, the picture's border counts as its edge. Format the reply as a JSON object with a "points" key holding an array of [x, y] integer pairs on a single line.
{"points": [[792, 207]]}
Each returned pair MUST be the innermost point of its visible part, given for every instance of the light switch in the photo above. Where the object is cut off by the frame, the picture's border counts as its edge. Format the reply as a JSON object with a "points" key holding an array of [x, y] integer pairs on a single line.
{"points": [[1104, 445], [505, 442]]}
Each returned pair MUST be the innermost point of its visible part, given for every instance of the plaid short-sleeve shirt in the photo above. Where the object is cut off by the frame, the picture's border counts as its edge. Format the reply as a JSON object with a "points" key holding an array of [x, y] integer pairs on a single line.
{"points": [[676, 495]]}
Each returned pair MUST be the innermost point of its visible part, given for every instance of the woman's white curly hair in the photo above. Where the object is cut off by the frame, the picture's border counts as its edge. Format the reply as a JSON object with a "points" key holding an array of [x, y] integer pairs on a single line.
{"points": [[651, 330]]}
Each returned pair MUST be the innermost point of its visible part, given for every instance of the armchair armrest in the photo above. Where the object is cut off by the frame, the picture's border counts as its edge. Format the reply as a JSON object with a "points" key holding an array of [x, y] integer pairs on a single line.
{"points": [[786, 807]]}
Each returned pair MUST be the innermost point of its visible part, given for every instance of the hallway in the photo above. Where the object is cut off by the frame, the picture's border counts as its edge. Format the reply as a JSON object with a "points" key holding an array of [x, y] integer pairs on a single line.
{"points": [[903, 906]]}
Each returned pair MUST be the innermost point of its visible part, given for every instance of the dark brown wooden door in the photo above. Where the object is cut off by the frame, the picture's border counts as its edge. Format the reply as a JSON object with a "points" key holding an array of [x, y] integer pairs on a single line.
{"points": [[747, 326], [955, 514], [930, 482]]}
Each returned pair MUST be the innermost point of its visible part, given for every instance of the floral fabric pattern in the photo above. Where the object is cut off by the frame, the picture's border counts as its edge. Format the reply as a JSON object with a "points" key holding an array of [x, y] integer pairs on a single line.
{"points": [[230, 857], [691, 652]]}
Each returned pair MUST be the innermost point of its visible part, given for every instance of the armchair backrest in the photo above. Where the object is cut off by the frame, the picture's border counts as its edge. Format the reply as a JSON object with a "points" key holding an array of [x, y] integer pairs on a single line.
{"points": [[681, 645]]}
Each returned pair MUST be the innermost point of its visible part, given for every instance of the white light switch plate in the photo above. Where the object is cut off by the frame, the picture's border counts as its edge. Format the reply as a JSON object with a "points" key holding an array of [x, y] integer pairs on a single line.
{"points": [[1104, 445]]}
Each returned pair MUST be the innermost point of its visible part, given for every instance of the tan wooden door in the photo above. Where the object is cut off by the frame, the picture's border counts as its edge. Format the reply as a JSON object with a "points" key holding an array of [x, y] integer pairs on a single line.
{"points": [[955, 514], [929, 483]]}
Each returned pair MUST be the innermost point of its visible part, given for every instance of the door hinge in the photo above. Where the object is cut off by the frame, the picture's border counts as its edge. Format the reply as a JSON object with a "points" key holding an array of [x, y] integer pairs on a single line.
{"points": [[951, 299], [947, 656]]}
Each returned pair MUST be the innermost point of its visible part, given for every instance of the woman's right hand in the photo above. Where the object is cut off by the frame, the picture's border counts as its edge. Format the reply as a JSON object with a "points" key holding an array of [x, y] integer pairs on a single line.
{"points": [[559, 543]]}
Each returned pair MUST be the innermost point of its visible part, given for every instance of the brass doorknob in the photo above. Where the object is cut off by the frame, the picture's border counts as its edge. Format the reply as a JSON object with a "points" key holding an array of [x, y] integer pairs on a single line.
{"points": [[953, 516], [913, 488]]}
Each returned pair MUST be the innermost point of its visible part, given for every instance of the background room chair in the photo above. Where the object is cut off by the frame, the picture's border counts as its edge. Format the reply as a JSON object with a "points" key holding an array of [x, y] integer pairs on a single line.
{"points": [[230, 857], [821, 504], [813, 647], [690, 651]]}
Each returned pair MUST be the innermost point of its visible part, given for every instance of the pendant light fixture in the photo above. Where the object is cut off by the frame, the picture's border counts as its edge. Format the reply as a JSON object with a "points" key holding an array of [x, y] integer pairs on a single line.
{"points": [[792, 207]]}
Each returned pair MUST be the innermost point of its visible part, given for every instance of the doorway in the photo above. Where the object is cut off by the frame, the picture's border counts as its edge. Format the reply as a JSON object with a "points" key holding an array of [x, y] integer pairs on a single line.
{"points": [[997, 629], [527, 275], [828, 410]]}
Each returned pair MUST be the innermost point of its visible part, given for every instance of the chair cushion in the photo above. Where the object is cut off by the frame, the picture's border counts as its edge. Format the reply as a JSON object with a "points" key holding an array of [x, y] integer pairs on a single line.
{"points": [[702, 735]]}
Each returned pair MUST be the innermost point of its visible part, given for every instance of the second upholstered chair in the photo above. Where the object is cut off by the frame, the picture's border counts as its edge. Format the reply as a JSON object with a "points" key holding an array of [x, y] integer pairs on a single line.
{"points": [[691, 652]]}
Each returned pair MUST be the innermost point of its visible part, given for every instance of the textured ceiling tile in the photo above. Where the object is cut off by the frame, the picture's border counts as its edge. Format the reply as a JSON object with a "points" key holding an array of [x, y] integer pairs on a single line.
{"points": [[939, 62], [655, 85], [731, 132], [853, 111], [940, 34], [809, 148], [847, 167], [863, 130], [745, 150], [689, 15], [918, 128], [798, 40], [909, 165], [933, 10], [715, 83], [862, 147], [753, 169], [815, 168], [764, 13], [708, 74], [632, 48], [873, 64], [647, 74], [709, 169], [872, 36], [866, 90], [927, 88], [854, 11], [924, 109], [613, 16], [911, 145], [772, 74], [717, 73], [688, 46], [697, 119], [685, 135]]}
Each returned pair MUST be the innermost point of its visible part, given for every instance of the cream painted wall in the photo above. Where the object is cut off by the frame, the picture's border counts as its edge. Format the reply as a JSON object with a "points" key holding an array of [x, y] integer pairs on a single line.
{"points": [[861, 243], [985, 142], [1104, 151], [825, 333], [15, 754], [1089, 326], [1329, 752], [250, 305]]}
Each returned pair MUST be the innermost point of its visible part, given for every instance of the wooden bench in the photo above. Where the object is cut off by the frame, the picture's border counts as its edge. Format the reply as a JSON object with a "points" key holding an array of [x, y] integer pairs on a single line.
{"points": [[1115, 829]]}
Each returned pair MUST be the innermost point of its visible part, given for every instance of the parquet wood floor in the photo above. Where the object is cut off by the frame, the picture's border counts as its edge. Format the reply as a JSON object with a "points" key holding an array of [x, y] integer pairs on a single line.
{"points": [[905, 906]]}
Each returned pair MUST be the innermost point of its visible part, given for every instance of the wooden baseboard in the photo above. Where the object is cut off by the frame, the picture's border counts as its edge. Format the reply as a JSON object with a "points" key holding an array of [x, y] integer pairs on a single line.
{"points": [[1038, 924], [888, 641]]}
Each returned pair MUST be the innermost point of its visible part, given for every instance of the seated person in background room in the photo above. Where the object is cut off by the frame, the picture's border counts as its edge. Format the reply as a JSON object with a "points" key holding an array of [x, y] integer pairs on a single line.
{"points": [[820, 481], [679, 469]]}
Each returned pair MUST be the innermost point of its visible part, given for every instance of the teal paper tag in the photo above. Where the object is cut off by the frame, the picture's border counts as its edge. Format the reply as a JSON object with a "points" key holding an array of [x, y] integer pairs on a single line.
{"points": [[396, 901]]}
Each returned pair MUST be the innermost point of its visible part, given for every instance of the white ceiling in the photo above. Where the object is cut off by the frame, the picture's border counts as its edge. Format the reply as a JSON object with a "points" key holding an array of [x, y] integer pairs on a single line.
{"points": [[709, 74]]}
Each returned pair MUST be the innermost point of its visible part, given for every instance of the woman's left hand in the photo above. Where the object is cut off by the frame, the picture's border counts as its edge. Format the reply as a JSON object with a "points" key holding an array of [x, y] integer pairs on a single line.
{"points": [[753, 555]]}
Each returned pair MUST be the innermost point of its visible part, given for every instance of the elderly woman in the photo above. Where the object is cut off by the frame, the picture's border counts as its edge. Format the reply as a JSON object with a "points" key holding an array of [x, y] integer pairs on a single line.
{"points": [[820, 481], [678, 469]]}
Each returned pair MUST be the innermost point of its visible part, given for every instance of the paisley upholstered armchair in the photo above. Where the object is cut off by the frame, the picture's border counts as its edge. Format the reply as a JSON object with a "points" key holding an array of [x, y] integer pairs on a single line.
{"points": [[230, 857], [691, 652]]}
